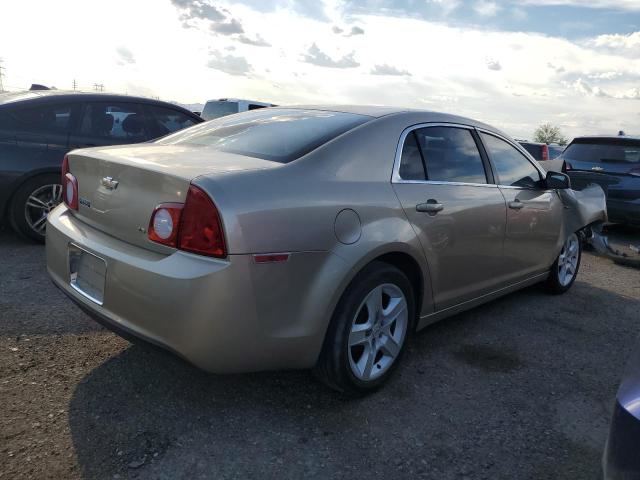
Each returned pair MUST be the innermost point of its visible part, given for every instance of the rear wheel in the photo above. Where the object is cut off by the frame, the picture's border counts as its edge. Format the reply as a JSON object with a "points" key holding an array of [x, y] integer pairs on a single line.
{"points": [[368, 332], [565, 269], [31, 204]]}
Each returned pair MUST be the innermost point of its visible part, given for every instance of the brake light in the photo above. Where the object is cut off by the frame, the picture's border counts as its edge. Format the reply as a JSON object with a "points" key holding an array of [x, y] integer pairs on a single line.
{"points": [[194, 226], [567, 166], [165, 224], [545, 152], [200, 226]]}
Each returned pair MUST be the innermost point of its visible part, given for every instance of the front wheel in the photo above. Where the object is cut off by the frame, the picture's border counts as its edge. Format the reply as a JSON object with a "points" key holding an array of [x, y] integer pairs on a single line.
{"points": [[368, 332], [565, 269]]}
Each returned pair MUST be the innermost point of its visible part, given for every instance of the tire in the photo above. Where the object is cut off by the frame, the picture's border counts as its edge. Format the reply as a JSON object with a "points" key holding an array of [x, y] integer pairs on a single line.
{"points": [[565, 269], [43, 193], [361, 350]]}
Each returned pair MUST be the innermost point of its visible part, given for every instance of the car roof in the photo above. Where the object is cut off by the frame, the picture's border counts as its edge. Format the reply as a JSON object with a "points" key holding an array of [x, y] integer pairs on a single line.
{"points": [[34, 95], [378, 111], [607, 137]]}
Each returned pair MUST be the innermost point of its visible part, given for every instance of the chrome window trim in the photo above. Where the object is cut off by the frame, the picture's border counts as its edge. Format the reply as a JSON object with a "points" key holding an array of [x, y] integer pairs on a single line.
{"points": [[395, 176]]}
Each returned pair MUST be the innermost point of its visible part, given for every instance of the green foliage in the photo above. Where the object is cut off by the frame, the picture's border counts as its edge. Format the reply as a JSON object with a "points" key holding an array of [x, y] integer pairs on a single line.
{"points": [[548, 133]]}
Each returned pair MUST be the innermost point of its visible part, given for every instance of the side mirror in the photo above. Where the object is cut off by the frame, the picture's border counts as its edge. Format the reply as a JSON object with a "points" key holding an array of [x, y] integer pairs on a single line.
{"points": [[558, 181]]}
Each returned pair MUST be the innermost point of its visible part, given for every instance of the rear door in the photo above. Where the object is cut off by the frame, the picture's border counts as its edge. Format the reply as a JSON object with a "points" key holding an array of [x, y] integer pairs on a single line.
{"points": [[534, 213], [447, 193]]}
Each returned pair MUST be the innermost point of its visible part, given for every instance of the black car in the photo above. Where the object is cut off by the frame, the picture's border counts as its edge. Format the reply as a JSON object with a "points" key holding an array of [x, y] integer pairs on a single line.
{"points": [[38, 127], [613, 162], [541, 151], [621, 457]]}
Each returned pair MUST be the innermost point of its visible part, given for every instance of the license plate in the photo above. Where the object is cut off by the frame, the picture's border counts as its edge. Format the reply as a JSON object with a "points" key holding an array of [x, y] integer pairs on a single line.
{"points": [[87, 273]]}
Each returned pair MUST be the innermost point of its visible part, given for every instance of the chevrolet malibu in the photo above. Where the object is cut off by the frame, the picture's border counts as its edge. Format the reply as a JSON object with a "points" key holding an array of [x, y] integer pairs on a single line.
{"points": [[310, 237]]}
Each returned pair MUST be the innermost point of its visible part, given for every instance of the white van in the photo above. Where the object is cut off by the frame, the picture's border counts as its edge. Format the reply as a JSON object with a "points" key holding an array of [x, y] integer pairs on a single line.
{"points": [[227, 106]]}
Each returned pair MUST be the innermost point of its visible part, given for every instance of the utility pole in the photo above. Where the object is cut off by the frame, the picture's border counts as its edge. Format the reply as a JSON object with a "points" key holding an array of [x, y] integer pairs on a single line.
{"points": [[1, 75], [75, 84]]}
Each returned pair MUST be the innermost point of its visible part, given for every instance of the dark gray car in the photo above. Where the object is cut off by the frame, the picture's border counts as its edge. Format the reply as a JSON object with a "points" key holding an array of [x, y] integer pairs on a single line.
{"points": [[613, 162], [38, 127]]}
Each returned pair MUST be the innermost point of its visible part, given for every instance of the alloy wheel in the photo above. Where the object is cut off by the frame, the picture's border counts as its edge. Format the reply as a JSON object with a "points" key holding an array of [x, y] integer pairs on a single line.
{"points": [[39, 204], [378, 331], [568, 260]]}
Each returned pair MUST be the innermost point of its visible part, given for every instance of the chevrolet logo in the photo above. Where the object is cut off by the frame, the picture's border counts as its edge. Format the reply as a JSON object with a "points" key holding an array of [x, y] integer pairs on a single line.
{"points": [[109, 183]]}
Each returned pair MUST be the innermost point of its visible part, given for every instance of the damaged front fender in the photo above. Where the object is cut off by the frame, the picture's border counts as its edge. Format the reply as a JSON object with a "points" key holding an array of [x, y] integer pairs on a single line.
{"points": [[583, 208]]}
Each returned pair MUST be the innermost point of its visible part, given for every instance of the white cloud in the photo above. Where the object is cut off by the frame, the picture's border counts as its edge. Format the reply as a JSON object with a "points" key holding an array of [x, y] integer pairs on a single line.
{"points": [[125, 56], [317, 57], [486, 8], [388, 70], [231, 64], [493, 64], [622, 44], [608, 4]]}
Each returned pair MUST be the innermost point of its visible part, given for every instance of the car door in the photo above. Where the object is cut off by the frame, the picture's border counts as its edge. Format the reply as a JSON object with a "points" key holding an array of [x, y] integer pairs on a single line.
{"points": [[448, 195], [534, 213], [110, 123]]}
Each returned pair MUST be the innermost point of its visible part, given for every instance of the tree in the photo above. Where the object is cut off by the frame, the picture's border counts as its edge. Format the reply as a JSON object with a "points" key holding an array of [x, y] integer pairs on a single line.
{"points": [[548, 133]]}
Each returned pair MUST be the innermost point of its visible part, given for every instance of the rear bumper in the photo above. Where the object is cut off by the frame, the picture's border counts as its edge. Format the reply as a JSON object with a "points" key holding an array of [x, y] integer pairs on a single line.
{"points": [[621, 459], [224, 316]]}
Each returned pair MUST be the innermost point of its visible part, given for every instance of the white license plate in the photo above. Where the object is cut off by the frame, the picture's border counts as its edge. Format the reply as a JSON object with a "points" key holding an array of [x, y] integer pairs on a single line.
{"points": [[87, 273]]}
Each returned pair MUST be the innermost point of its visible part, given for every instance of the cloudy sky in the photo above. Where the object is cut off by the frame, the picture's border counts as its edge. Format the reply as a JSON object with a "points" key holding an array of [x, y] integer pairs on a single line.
{"points": [[514, 64]]}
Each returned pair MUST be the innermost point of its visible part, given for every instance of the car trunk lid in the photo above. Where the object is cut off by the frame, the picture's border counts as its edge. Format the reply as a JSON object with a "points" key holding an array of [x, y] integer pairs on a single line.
{"points": [[119, 187]]}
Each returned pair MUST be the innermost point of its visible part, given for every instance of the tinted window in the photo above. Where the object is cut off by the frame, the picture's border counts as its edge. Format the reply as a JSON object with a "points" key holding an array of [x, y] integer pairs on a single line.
{"points": [[411, 166], [512, 168], [534, 150], [450, 155], [253, 106], [554, 151], [114, 121], [281, 135], [163, 121], [44, 118], [613, 152], [219, 109]]}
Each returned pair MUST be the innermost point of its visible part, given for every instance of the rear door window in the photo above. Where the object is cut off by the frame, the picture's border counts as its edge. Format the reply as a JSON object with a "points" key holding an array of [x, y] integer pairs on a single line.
{"points": [[163, 121], [114, 121], [280, 135], [512, 167], [449, 154]]}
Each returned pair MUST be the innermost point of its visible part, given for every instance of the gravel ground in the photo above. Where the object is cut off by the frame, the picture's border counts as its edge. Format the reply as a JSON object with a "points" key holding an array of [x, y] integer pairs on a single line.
{"points": [[522, 387]]}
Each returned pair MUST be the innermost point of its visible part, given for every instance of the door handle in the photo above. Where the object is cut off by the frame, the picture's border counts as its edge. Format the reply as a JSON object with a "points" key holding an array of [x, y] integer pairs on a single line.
{"points": [[516, 205], [431, 207]]}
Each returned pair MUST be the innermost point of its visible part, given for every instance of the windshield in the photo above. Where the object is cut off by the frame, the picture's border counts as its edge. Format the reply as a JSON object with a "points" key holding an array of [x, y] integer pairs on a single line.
{"points": [[219, 109], [603, 152], [280, 135]]}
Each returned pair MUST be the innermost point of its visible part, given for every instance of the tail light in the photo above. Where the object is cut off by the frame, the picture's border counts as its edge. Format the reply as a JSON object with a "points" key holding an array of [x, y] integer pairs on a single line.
{"points": [[545, 152], [194, 226], [165, 223], [635, 171], [567, 166], [69, 186]]}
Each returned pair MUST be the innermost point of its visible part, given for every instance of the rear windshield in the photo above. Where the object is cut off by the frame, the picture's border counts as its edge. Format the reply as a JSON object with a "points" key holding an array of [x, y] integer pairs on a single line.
{"points": [[218, 109], [280, 135], [614, 151]]}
